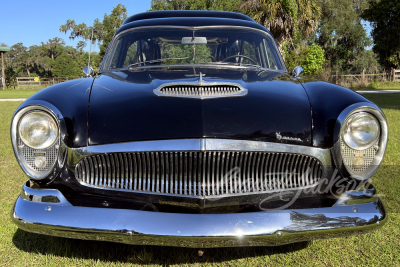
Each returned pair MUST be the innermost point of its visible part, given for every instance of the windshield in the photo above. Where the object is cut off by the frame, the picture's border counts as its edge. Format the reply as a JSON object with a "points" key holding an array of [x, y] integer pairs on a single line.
{"points": [[182, 46]]}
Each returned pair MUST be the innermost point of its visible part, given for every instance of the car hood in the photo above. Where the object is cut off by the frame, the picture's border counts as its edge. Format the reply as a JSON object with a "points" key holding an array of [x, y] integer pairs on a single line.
{"points": [[123, 107]]}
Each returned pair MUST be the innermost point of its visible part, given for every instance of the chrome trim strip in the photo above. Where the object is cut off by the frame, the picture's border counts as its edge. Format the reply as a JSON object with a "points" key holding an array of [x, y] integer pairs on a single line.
{"points": [[201, 144], [242, 91], [355, 212]]}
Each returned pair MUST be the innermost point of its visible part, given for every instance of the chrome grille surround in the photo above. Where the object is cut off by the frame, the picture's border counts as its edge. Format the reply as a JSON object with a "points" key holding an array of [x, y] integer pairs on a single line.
{"points": [[176, 167], [201, 90]]}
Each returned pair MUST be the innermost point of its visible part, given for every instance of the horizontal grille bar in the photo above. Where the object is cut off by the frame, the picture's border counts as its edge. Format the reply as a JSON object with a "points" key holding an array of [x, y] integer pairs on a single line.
{"points": [[199, 173]]}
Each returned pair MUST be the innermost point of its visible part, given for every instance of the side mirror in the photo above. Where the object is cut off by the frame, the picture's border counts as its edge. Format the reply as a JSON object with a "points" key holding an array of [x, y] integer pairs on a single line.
{"points": [[88, 71], [297, 71]]}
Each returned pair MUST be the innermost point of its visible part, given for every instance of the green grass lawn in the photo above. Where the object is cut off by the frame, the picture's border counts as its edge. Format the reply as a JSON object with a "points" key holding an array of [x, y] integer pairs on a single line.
{"points": [[25, 93], [381, 86], [379, 248]]}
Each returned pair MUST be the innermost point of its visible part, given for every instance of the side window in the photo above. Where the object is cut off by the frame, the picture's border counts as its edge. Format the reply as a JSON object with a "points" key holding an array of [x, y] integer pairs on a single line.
{"points": [[115, 54], [131, 55], [249, 50], [271, 59], [271, 56]]}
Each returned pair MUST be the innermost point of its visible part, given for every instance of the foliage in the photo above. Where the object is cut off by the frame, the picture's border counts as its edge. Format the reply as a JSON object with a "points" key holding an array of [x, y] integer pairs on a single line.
{"points": [[225, 5], [293, 57], [110, 25], [315, 59], [9, 72], [65, 65], [54, 47], [43, 60], [311, 58], [341, 33], [288, 20], [102, 32], [366, 60], [384, 16]]}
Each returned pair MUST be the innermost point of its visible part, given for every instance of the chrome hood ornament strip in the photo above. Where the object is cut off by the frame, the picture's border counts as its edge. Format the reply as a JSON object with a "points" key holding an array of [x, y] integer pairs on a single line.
{"points": [[200, 90]]}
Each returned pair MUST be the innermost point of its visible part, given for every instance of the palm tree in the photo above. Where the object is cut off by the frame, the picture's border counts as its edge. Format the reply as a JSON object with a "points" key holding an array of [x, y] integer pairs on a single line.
{"points": [[285, 18]]}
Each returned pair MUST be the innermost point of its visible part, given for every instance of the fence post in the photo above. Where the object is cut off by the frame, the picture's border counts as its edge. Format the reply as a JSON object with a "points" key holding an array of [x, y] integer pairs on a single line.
{"points": [[363, 76], [53, 81], [392, 75], [40, 84]]}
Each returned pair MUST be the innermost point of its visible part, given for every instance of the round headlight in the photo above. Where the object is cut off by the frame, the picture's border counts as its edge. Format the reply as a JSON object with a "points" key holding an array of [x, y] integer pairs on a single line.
{"points": [[361, 131], [38, 130]]}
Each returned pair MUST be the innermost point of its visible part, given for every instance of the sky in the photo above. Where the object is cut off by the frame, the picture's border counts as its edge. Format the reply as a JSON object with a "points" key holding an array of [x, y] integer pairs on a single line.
{"points": [[32, 22]]}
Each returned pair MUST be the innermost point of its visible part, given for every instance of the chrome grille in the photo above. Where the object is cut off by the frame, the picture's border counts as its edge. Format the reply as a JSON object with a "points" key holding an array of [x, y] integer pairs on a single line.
{"points": [[200, 91], [199, 173]]}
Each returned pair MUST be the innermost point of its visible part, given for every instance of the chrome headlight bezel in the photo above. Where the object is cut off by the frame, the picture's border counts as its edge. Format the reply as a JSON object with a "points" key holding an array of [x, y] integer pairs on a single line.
{"points": [[36, 174], [379, 145]]}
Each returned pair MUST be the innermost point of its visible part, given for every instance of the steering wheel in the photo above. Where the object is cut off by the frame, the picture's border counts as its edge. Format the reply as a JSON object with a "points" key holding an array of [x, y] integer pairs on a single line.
{"points": [[246, 57]]}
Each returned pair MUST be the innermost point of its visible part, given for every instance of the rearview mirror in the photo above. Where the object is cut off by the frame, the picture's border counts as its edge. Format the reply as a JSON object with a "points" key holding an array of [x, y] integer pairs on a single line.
{"points": [[194, 40]]}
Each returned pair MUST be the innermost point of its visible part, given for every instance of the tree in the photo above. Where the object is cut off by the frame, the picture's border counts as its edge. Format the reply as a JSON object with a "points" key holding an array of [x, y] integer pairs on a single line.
{"points": [[80, 46], [225, 5], [54, 46], [16, 58], [110, 25], [102, 32], [341, 33], [366, 60], [288, 20], [384, 16], [65, 65]]}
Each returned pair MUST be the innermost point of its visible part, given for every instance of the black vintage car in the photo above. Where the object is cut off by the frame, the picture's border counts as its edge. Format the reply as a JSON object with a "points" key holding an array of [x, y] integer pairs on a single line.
{"points": [[194, 133]]}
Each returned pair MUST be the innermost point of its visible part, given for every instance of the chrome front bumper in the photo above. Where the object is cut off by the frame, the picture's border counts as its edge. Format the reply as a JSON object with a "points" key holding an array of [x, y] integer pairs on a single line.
{"points": [[47, 211]]}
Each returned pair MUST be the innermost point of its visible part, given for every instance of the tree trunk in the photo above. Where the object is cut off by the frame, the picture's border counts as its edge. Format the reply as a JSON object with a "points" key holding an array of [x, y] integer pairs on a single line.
{"points": [[27, 70]]}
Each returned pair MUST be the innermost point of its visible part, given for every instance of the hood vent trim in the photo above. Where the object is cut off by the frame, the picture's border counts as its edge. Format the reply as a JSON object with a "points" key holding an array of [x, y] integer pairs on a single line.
{"points": [[200, 90]]}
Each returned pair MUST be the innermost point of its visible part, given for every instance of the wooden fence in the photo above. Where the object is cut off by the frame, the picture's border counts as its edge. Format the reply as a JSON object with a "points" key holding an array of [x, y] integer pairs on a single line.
{"points": [[351, 79], [396, 75], [21, 82], [28, 81], [55, 80]]}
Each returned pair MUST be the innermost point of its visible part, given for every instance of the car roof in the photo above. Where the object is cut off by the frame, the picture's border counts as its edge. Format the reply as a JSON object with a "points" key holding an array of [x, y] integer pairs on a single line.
{"points": [[190, 18], [186, 14]]}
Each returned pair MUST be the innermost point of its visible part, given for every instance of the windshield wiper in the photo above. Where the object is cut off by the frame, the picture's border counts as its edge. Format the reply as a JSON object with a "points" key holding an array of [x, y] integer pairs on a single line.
{"points": [[230, 64], [156, 61]]}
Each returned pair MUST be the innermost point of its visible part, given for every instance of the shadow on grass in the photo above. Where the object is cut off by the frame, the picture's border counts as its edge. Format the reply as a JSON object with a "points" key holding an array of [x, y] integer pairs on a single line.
{"points": [[121, 253]]}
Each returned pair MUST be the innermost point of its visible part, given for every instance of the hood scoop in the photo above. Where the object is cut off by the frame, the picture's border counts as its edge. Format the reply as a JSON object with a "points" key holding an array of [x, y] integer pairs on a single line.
{"points": [[201, 90]]}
